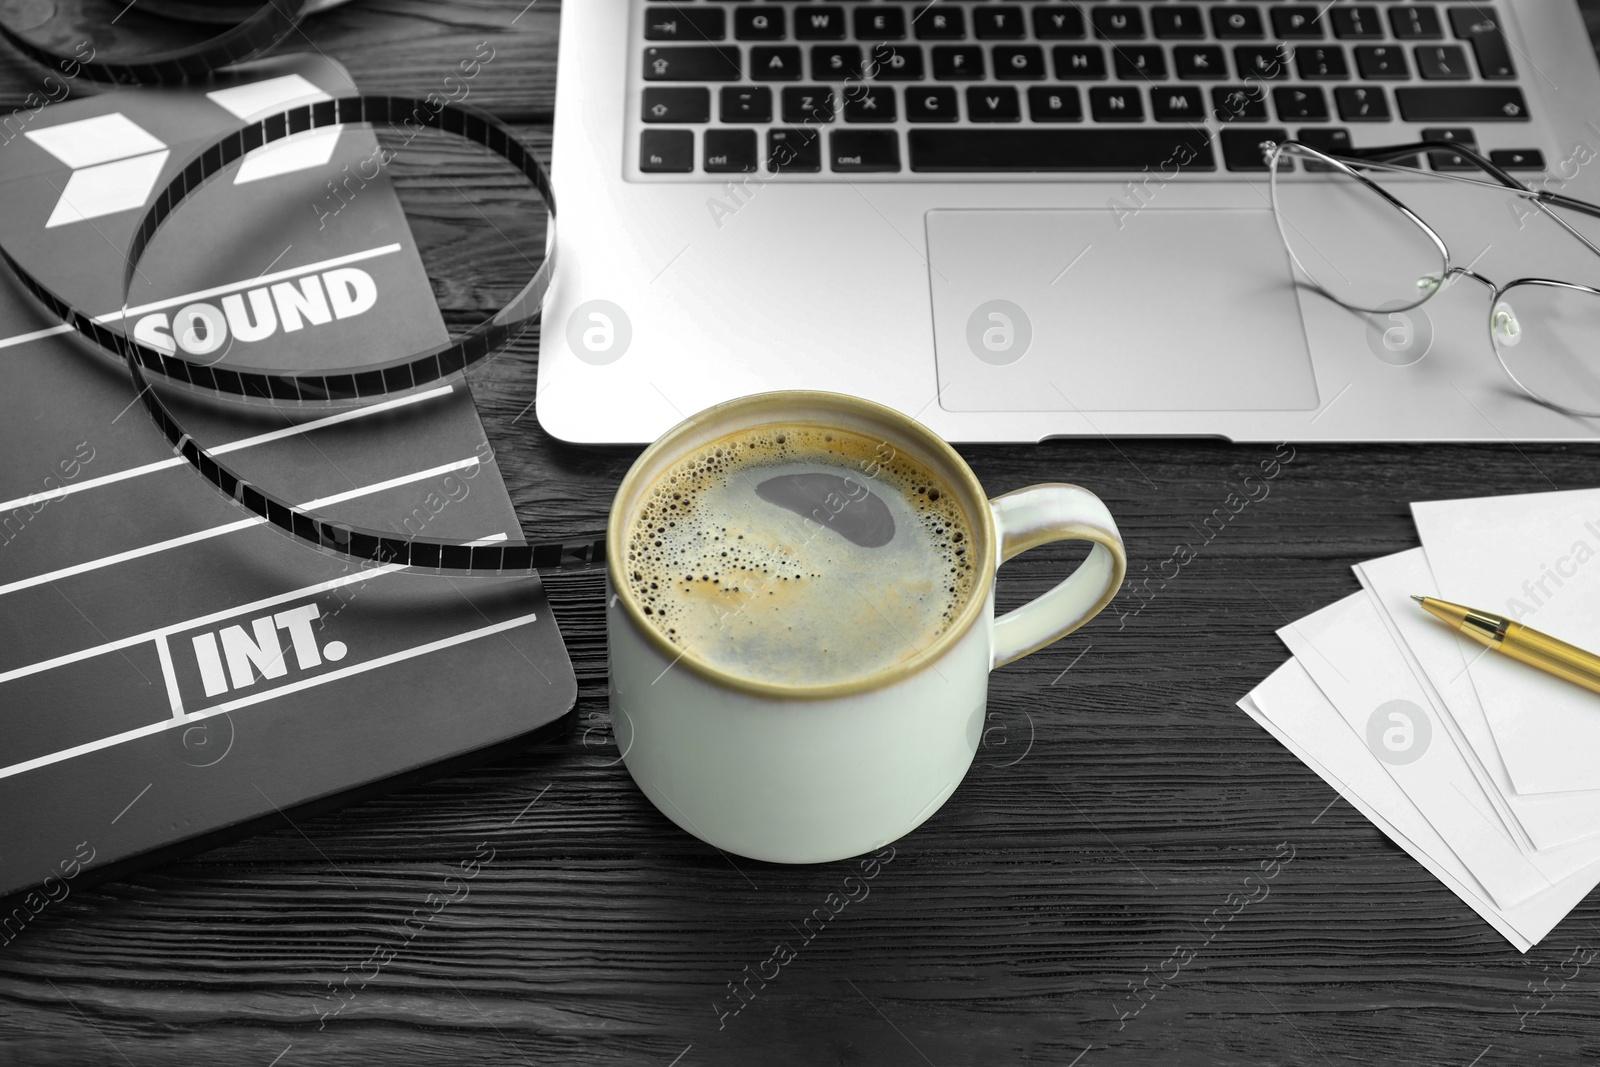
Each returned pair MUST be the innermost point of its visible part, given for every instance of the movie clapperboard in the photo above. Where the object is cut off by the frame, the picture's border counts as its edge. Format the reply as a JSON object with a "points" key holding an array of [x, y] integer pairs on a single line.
{"points": [[171, 667]]}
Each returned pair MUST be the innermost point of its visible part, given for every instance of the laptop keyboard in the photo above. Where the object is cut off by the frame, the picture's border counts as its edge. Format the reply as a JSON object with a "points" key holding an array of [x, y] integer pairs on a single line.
{"points": [[910, 87]]}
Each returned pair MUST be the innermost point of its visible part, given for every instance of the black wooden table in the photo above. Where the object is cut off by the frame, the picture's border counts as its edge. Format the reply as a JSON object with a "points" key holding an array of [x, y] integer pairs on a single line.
{"points": [[1118, 802]]}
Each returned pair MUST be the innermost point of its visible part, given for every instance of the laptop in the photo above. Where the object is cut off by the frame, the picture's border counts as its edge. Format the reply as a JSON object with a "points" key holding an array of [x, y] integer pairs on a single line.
{"points": [[1042, 219]]}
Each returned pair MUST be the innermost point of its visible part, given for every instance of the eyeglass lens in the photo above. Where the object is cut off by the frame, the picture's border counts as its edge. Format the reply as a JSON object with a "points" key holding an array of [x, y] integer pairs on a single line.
{"points": [[1349, 240], [1548, 340]]}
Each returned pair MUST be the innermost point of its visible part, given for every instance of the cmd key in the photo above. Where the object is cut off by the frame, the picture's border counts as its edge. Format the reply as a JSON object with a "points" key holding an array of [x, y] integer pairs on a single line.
{"points": [[863, 151]]}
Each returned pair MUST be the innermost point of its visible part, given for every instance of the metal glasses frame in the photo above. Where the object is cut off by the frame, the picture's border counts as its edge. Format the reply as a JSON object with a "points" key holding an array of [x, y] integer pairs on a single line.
{"points": [[1381, 159]]}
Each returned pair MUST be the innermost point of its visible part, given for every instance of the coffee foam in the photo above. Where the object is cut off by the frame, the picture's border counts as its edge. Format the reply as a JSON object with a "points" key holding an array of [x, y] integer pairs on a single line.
{"points": [[726, 565]]}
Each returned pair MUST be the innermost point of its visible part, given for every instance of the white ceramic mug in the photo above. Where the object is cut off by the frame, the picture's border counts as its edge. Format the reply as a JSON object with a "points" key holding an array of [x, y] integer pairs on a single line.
{"points": [[807, 774]]}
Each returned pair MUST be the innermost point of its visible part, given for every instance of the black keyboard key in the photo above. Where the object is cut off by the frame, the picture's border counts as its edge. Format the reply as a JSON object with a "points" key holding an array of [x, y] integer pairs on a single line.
{"points": [[958, 62], [1334, 142], [1138, 62], [1018, 62], [1322, 62], [993, 103], [1461, 135], [897, 62], [1117, 23], [1035, 151], [1121, 103], [880, 23], [1478, 25], [1451, 161], [933, 103], [729, 152], [1415, 22], [1233, 21], [809, 104], [864, 151], [794, 150], [692, 63], [999, 22], [1075, 62], [817, 22], [1054, 103], [745, 104], [1266, 61], [1296, 22], [775, 63], [1057, 23], [869, 103], [676, 105], [1356, 21], [1177, 23], [835, 62], [1517, 158], [1462, 103], [1443, 62], [1382, 62], [1239, 103], [666, 151], [1248, 149], [1362, 103], [1300, 103], [759, 23], [939, 22], [1177, 103], [1203, 62], [685, 24]]}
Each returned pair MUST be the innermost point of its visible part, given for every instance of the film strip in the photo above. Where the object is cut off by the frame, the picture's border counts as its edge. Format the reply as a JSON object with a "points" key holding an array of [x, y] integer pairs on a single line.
{"points": [[257, 33], [348, 387]]}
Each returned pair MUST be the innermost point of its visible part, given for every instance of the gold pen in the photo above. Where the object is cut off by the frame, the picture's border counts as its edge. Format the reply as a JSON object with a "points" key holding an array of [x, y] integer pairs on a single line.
{"points": [[1520, 642]]}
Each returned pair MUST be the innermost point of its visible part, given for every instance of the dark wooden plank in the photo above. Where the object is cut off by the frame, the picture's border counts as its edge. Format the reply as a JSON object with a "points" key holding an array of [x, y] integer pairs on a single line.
{"points": [[388, 46], [1118, 800]]}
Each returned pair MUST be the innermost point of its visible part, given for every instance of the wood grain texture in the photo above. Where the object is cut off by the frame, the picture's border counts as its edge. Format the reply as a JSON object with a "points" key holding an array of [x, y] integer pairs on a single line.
{"points": [[1118, 801]]}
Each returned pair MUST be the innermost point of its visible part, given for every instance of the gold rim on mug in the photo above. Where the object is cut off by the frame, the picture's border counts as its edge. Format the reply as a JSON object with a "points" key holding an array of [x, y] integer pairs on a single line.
{"points": [[807, 407]]}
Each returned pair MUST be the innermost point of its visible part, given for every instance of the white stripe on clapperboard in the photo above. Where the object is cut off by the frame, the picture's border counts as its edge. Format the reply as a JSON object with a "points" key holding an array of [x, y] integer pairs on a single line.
{"points": [[159, 636], [222, 450], [228, 528], [257, 698], [232, 446]]}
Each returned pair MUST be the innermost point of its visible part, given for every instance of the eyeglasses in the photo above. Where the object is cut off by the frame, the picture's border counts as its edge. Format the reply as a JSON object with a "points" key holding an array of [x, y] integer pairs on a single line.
{"points": [[1362, 247]]}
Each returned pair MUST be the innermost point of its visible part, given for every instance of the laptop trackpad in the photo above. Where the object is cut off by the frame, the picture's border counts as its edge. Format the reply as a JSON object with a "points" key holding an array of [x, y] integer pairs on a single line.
{"points": [[1154, 310]]}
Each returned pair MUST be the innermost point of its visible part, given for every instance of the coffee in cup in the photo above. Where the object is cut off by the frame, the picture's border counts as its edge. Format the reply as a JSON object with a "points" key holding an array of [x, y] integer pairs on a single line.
{"points": [[800, 555]]}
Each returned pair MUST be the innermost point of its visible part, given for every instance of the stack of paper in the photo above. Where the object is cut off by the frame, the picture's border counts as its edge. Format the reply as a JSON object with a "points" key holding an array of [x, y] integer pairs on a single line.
{"points": [[1485, 770]]}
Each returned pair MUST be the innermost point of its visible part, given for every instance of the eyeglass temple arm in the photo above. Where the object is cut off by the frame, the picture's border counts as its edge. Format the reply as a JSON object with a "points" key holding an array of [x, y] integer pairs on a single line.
{"points": [[1543, 198], [1389, 153]]}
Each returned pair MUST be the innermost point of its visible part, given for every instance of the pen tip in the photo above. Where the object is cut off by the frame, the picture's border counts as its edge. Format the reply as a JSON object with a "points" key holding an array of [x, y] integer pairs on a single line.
{"points": [[1417, 598]]}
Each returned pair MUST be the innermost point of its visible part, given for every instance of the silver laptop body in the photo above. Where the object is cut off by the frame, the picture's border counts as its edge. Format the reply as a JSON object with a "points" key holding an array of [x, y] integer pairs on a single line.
{"points": [[912, 237]]}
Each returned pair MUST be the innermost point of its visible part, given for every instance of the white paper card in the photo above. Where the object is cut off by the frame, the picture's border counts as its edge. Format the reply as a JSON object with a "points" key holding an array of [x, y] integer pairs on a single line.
{"points": [[1289, 705], [1535, 558], [1549, 819], [1348, 652]]}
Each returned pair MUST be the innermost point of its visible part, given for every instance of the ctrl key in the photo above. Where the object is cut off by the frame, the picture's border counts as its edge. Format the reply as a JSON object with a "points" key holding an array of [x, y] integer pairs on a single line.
{"points": [[729, 151], [666, 151]]}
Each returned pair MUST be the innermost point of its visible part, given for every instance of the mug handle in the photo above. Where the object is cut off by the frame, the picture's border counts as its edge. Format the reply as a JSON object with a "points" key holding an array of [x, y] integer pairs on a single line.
{"points": [[1038, 515]]}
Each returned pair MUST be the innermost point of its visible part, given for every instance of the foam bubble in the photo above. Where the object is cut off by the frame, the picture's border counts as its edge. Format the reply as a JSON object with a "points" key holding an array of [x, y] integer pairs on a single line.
{"points": [[748, 581]]}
